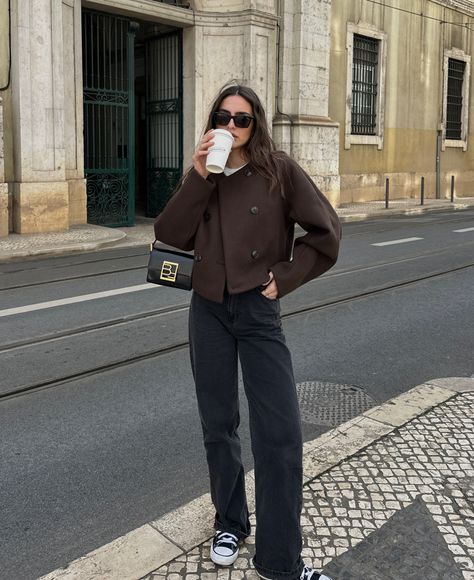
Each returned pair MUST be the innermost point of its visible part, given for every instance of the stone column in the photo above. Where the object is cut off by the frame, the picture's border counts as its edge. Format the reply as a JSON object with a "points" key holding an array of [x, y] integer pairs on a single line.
{"points": [[3, 185], [40, 191], [73, 111], [302, 126], [231, 40]]}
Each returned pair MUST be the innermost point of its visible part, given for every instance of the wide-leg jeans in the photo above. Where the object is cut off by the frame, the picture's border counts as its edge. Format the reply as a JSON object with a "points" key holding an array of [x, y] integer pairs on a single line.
{"points": [[247, 326]]}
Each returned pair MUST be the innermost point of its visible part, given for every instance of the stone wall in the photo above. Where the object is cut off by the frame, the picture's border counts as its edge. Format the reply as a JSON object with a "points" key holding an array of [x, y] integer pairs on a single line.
{"points": [[4, 45], [3, 185], [73, 112], [302, 125], [45, 166], [225, 46], [223, 40]]}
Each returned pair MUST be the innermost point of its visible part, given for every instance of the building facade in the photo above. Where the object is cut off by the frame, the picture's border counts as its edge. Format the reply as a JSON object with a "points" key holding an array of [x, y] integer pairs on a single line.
{"points": [[104, 100], [401, 89]]}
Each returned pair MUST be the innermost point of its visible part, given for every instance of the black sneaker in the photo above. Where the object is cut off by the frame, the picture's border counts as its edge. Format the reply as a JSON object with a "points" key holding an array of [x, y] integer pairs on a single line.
{"points": [[307, 574], [224, 548], [310, 574]]}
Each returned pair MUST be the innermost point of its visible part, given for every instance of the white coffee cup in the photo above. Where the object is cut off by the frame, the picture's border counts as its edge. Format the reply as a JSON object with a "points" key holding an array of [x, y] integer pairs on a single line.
{"points": [[219, 152]]}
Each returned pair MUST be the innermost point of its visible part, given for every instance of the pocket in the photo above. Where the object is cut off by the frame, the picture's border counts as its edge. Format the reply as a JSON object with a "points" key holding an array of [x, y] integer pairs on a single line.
{"points": [[273, 303]]}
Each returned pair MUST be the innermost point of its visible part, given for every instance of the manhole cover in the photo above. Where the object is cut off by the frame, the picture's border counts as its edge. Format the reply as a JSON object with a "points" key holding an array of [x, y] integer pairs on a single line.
{"points": [[331, 404]]}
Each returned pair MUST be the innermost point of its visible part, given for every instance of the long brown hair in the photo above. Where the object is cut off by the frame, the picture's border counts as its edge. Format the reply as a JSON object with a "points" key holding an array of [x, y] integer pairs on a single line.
{"points": [[260, 149]]}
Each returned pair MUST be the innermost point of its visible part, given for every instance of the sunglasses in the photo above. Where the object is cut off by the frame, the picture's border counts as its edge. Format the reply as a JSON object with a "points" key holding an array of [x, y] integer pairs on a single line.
{"points": [[242, 120]]}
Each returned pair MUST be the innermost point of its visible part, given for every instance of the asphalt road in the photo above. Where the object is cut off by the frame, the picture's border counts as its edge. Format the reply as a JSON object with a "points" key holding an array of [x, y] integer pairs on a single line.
{"points": [[87, 460]]}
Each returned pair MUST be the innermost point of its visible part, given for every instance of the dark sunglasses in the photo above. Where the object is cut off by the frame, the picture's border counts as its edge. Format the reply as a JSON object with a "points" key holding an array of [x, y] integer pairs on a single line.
{"points": [[242, 121]]}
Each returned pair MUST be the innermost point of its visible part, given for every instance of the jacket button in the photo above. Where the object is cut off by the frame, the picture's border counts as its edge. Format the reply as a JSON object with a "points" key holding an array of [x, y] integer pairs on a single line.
{"points": [[254, 254], [207, 216], [198, 257], [254, 210]]}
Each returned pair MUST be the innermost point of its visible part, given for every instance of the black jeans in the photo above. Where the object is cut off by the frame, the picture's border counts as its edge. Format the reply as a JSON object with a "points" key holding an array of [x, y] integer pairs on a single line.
{"points": [[248, 326]]}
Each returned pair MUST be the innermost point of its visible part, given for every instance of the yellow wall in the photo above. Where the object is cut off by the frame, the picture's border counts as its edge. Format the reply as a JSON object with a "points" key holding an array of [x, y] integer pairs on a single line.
{"points": [[413, 100], [4, 56]]}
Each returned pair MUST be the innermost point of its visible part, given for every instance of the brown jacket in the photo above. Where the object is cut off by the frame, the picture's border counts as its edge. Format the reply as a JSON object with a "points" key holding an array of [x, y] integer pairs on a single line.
{"points": [[240, 230]]}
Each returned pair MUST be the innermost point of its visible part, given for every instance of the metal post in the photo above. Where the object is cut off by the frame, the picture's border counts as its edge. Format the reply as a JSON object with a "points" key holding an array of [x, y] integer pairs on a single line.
{"points": [[387, 191], [438, 164], [452, 188], [422, 191]]}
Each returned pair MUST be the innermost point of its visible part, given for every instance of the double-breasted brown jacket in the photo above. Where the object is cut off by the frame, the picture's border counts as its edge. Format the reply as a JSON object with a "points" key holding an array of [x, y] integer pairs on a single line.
{"points": [[239, 230]]}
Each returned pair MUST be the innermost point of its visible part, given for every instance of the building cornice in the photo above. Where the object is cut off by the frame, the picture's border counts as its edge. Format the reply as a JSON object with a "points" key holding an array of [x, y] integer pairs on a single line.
{"points": [[231, 19], [464, 6], [183, 17], [148, 9], [303, 120]]}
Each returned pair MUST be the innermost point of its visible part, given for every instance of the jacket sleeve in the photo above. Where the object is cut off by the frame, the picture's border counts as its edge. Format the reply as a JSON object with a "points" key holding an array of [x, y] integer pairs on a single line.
{"points": [[177, 224], [316, 251]]}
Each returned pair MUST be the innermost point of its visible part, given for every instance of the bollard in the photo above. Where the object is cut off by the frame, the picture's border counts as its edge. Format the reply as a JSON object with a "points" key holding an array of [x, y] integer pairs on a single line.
{"points": [[387, 191], [452, 188], [422, 191]]}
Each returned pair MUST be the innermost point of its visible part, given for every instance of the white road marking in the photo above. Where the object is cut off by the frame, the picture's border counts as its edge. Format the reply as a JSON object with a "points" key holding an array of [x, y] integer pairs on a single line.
{"points": [[75, 299], [464, 230], [392, 242]]}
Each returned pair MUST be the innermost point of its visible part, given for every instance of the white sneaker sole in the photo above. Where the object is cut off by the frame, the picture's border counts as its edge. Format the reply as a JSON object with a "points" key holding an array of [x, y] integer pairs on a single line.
{"points": [[224, 560], [322, 576]]}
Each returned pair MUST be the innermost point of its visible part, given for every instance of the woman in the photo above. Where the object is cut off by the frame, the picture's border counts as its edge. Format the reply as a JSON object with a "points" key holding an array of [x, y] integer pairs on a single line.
{"points": [[240, 225]]}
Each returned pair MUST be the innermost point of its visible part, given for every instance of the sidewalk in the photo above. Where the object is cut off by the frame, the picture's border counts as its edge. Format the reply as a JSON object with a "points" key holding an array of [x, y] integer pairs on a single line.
{"points": [[387, 495], [89, 237]]}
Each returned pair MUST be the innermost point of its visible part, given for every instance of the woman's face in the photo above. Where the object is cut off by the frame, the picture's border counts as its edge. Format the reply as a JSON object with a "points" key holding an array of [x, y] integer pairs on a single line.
{"points": [[235, 104]]}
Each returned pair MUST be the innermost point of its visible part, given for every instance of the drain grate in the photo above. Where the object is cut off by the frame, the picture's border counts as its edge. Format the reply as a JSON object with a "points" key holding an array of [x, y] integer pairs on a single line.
{"points": [[331, 404]]}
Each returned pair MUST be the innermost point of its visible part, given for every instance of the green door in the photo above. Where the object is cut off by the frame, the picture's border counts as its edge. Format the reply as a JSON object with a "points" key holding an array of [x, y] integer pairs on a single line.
{"points": [[164, 118], [109, 118]]}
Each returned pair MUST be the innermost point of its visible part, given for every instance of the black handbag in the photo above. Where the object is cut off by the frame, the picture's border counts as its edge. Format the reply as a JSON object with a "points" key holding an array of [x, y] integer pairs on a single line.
{"points": [[170, 268]]}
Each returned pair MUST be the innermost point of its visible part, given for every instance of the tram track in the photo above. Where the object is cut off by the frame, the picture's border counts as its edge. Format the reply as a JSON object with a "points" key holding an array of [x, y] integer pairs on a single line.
{"points": [[163, 350], [92, 327], [80, 275], [333, 273], [144, 255], [54, 336]]}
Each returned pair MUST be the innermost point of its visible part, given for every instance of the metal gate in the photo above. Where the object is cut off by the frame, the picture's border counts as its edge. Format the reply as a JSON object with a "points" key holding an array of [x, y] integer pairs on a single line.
{"points": [[164, 118], [109, 118]]}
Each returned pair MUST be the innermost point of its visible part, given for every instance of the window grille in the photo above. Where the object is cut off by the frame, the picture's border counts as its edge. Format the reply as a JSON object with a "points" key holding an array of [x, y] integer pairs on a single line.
{"points": [[454, 99], [364, 85]]}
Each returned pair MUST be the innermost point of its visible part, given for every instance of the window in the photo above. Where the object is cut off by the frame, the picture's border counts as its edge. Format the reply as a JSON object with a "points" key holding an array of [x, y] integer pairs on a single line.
{"points": [[365, 88], [456, 98], [364, 85]]}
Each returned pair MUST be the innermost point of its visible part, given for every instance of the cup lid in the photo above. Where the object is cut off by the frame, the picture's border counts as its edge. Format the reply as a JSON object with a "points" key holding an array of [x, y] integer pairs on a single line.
{"points": [[224, 132]]}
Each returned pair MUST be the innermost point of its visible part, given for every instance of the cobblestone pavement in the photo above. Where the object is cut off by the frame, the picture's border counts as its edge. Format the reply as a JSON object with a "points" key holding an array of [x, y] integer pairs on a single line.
{"points": [[402, 508]]}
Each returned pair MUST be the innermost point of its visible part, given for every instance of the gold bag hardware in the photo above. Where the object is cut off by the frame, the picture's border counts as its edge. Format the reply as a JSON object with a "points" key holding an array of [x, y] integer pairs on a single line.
{"points": [[169, 271]]}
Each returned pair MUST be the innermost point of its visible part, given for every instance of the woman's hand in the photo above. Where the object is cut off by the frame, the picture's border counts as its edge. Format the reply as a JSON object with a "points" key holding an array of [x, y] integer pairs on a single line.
{"points": [[271, 288], [200, 155]]}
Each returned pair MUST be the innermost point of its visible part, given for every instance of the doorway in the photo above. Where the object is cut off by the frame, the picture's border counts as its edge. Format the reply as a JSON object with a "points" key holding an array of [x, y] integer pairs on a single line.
{"points": [[132, 79]]}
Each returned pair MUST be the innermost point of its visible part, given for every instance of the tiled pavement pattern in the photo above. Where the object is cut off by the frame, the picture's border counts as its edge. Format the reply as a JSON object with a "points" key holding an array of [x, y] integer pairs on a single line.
{"points": [[402, 508]]}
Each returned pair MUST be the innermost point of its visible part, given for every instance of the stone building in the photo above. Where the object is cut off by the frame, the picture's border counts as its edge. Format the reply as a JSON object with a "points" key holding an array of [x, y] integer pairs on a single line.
{"points": [[400, 87], [107, 98]]}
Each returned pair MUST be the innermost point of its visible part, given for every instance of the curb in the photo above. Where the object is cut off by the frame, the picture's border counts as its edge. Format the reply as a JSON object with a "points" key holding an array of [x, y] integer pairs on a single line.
{"points": [[414, 210], [56, 246], [156, 543], [116, 238]]}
